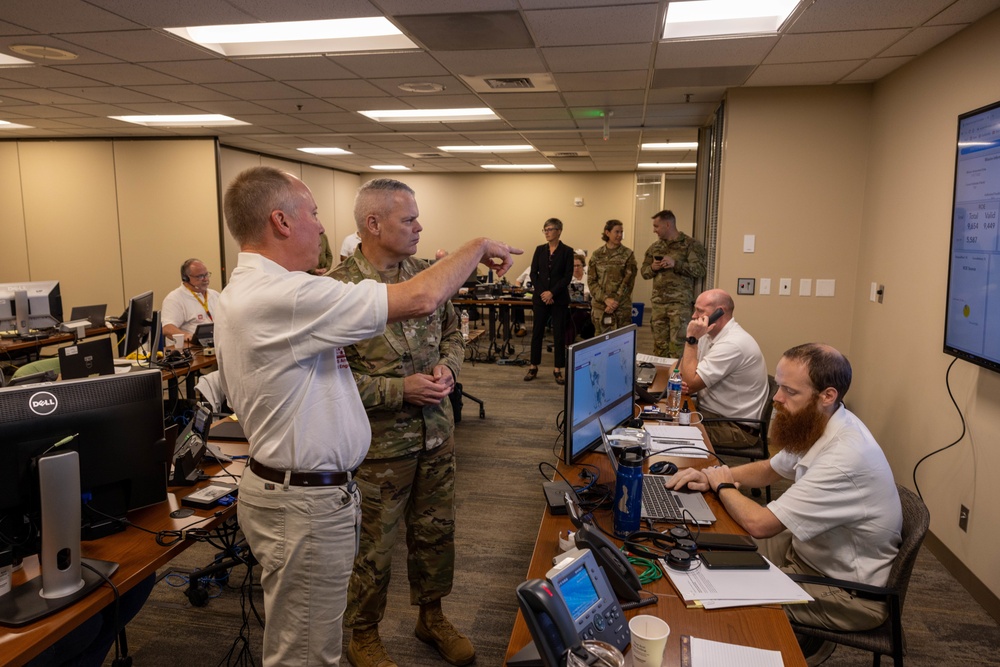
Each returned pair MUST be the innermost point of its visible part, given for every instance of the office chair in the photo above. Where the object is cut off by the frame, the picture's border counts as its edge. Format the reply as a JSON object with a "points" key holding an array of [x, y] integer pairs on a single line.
{"points": [[40, 366], [758, 451], [887, 638]]}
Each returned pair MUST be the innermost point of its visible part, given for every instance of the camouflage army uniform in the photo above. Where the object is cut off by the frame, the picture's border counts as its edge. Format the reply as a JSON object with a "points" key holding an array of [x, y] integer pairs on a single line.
{"points": [[409, 472], [611, 274], [673, 291]]}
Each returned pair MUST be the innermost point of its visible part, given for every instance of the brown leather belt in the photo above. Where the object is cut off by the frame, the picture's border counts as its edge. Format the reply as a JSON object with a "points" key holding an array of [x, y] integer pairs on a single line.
{"points": [[318, 478]]}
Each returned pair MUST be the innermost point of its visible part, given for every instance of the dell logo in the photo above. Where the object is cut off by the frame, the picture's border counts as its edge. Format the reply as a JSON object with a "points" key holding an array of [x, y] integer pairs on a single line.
{"points": [[43, 403]]}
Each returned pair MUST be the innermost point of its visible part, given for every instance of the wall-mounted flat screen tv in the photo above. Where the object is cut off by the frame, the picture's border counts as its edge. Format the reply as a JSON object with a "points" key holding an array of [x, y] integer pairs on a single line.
{"points": [[972, 318]]}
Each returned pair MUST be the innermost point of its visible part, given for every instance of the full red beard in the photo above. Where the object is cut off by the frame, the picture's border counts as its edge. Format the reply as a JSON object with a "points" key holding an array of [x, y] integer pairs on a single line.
{"points": [[797, 432]]}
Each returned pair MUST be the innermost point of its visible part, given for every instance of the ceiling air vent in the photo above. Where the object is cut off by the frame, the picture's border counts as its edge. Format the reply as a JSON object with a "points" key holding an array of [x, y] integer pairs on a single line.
{"points": [[425, 156], [565, 154], [516, 82]]}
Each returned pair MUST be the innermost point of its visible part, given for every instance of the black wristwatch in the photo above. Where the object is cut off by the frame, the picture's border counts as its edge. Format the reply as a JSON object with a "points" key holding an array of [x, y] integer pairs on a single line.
{"points": [[691, 340], [724, 485]]}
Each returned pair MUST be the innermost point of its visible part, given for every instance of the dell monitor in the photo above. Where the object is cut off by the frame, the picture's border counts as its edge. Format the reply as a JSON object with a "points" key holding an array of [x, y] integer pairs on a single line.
{"points": [[599, 386], [113, 422], [32, 305], [138, 318]]}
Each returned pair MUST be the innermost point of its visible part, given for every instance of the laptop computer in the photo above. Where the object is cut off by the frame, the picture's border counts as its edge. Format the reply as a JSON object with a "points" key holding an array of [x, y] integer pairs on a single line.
{"points": [[94, 357], [660, 503], [93, 313], [204, 335]]}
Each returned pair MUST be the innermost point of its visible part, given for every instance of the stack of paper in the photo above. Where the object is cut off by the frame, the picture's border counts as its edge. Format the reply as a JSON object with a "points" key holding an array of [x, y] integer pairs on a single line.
{"points": [[650, 359], [716, 589], [696, 652], [676, 441]]}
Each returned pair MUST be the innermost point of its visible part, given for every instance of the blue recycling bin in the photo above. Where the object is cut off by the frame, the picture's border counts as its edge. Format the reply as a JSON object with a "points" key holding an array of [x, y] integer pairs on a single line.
{"points": [[637, 309]]}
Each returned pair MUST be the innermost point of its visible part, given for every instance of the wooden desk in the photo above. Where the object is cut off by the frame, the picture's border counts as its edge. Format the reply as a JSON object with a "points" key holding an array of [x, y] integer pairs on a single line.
{"points": [[137, 554], [11, 348], [760, 627]]}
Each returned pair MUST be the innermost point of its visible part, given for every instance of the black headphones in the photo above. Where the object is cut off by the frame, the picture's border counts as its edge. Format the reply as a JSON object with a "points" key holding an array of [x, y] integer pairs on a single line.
{"points": [[675, 545], [663, 468]]}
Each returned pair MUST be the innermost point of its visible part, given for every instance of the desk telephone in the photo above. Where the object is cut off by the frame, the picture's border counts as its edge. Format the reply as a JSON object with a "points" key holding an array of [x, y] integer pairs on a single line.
{"points": [[574, 603]]}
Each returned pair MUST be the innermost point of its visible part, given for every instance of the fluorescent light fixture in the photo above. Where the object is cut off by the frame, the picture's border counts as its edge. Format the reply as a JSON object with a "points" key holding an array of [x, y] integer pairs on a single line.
{"points": [[320, 150], [182, 120], [374, 33], [667, 165], [430, 115], [5, 125], [671, 146], [513, 148], [515, 167], [717, 18], [389, 167], [11, 60]]}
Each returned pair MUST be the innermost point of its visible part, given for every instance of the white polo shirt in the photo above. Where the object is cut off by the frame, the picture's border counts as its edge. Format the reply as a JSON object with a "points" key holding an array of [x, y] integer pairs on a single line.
{"points": [[733, 370], [843, 509], [280, 338], [183, 309], [350, 244]]}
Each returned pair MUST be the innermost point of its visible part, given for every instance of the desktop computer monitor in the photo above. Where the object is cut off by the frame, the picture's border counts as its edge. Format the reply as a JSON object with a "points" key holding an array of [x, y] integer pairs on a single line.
{"points": [[599, 385], [138, 318], [114, 423], [42, 300]]}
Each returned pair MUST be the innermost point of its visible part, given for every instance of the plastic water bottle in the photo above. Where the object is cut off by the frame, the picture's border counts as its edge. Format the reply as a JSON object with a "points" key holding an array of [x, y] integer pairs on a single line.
{"points": [[465, 324], [674, 394], [628, 492]]}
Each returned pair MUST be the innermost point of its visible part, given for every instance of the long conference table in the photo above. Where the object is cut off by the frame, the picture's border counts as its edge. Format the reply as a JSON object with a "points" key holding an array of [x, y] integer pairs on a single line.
{"points": [[764, 627]]}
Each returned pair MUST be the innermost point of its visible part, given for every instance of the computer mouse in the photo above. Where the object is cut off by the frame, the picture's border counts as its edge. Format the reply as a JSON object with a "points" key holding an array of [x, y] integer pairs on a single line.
{"points": [[663, 468]]}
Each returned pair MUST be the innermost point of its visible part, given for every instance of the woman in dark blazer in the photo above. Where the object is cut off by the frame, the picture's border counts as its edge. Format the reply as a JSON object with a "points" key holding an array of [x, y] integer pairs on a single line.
{"points": [[551, 273]]}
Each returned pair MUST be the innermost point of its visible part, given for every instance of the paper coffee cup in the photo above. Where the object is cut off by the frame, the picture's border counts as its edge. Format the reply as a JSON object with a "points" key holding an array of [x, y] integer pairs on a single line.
{"points": [[649, 640], [178, 341]]}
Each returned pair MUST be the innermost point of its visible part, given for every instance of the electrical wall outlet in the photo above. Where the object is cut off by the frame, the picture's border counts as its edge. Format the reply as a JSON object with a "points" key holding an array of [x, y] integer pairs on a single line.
{"points": [[963, 518], [785, 287], [765, 285], [745, 286]]}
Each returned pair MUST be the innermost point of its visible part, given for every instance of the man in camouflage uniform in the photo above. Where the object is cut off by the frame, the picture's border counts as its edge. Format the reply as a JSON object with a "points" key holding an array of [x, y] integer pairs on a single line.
{"points": [[404, 378], [611, 277], [681, 261]]}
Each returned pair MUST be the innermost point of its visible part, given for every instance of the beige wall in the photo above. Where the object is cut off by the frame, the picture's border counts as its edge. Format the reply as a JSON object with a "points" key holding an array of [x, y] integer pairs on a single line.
{"points": [[900, 388], [512, 207], [14, 267], [793, 175]]}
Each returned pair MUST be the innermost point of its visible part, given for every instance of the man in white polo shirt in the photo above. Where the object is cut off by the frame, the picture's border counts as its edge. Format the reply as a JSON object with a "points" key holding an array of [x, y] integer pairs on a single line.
{"points": [[724, 365], [192, 303], [840, 518], [280, 335]]}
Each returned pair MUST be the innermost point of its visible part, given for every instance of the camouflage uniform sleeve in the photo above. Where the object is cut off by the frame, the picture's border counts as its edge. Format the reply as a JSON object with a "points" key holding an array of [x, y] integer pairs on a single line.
{"points": [[647, 261], [452, 344], [628, 279], [593, 283], [694, 263], [377, 392]]}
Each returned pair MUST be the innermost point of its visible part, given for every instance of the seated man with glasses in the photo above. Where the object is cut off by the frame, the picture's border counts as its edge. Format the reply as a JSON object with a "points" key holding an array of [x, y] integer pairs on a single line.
{"points": [[190, 304]]}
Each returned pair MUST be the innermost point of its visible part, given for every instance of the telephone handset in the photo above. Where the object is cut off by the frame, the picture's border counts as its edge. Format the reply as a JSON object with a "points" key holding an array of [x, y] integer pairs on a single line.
{"points": [[620, 573], [574, 604], [714, 317]]}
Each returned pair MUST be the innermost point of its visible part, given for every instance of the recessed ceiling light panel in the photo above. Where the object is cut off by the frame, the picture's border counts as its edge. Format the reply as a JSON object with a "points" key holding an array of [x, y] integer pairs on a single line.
{"points": [[668, 165], [322, 150], [512, 148], [4, 125], [389, 167], [719, 18], [671, 146], [429, 115], [518, 167], [182, 120]]}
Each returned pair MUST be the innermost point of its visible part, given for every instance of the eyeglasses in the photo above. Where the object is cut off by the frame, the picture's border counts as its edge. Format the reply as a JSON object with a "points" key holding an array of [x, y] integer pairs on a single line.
{"points": [[202, 276], [550, 229]]}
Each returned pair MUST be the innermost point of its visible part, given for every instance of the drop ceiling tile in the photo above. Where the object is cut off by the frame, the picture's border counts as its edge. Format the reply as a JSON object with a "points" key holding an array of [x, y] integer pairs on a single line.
{"points": [[542, 124], [597, 58], [965, 11], [294, 69], [521, 100], [302, 107], [876, 69], [43, 96], [83, 56], [701, 76], [232, 108], [467, 31], [866, 15], [713, 53], [382, 65], [621, 80], [832, 46], [160, 108], [44, 77], [140, 46], [444, 6], [803, 74], [605, 98], [112, 95], [535, 114], [184, 93], [120, 74], [452, 86], [920, 40], [262, 90], [64, 16], [686, 95], [618, 24], [339, 88], [491, 61]]}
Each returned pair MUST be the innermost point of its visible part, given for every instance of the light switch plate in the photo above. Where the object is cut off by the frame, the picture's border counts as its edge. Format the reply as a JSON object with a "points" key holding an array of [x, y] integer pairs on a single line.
{"points": [[805, 286], [826, 287], [745, 285], [749, 242], [765, 286]]}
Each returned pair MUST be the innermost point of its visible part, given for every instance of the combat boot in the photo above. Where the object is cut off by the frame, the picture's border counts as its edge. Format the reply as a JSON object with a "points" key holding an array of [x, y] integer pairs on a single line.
{"points": [[366, 650], [436, 630]]}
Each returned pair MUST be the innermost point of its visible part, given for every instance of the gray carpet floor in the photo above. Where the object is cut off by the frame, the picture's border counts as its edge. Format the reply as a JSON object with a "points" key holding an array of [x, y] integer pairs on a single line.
{"points": [[499, 505]]}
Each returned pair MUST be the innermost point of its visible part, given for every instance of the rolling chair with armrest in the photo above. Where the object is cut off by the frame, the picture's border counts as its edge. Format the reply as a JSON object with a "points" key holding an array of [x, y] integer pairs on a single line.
{"points": [[41, 366], [887, 638], [758, 451]]}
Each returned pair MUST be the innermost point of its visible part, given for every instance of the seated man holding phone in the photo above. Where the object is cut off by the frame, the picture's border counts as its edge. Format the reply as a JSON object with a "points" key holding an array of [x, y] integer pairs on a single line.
{"points": [[841, 516], [724, 365]]}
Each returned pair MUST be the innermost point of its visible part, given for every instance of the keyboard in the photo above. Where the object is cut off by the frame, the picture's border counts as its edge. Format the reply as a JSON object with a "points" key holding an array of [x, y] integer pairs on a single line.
{"points": [[659, 503]]}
